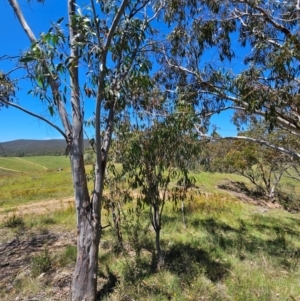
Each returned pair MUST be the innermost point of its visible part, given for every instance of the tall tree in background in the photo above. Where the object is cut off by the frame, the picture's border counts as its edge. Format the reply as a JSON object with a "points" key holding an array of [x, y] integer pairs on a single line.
{"points": [[106, 48], [269, 86], [263, 83], [262, 165]]}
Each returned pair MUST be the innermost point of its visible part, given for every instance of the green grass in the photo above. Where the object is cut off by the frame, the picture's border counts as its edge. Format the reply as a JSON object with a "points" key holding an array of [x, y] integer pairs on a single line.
{"points": [[66, 256], [14, 221], [208, 181], [23, 188], [19, 165], [228, 250], [50, 162], [64, 217], [38, 179], [236, 254], [33, 164], [41, 263]]}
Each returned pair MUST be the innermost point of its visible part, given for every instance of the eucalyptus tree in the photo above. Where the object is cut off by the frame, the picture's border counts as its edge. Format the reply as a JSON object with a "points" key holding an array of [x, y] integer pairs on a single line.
{"points": [[156, 161], [7, 88], [262, 165], [269, 86], [240, 55], [99, 58]]}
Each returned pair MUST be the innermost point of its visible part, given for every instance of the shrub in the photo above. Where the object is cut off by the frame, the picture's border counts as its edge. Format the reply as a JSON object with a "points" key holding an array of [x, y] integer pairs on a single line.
{"points": [[41, 263], [67, 256], [14, 221]]}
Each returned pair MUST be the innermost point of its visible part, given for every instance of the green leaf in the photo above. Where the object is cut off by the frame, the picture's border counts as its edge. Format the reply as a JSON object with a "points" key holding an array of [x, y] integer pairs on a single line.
{"points": [[54, 40], [40, 82], [51, 110], [59, 67], [60, 20], [27, 59]]}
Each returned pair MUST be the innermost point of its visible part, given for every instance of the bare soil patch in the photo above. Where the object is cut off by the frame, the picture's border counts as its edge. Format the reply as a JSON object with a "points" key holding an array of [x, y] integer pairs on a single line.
{"points": [[17, 248], [16, 253], [239, 190], [15, 264], [16, 267], [38, 208]]}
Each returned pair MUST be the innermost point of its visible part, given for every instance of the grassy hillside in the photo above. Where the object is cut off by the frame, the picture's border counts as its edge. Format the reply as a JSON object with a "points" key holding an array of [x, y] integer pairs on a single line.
{"points": [[19, 165], [21, 148], [27, 179], [229, 250]]}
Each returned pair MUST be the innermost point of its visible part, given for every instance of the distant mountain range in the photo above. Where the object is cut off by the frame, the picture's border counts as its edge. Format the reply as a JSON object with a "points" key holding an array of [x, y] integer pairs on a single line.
{"points": [[21, 148]]}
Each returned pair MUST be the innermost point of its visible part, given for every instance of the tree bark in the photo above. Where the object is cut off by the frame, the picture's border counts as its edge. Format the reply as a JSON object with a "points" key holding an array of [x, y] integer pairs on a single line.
{"points": [[84, 285], [116, 215], [155, 219], [160, 255]]}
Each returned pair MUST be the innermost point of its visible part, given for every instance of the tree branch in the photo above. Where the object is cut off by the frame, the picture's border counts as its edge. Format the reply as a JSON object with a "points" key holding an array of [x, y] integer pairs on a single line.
{"points": [[250, 139], [74, 79], [268, 18], [97, 23], [34, 115], [15, 5], [54, 88], [113, 28]]}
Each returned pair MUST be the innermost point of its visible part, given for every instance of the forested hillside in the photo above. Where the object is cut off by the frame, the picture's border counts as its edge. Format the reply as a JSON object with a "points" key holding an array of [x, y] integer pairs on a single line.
{"points": [[21, 148]]}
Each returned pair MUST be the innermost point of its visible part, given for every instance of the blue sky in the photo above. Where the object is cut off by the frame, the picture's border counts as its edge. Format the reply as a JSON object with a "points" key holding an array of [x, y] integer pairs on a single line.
{"points": [[15, 124]]}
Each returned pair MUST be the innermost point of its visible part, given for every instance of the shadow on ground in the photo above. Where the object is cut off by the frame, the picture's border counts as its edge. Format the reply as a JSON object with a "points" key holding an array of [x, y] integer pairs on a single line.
{"points": [[242, 240], [108, 287], [187, 261]]}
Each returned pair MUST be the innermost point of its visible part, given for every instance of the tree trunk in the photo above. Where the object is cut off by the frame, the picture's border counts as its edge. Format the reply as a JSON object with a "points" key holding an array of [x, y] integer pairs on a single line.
{"points": [[155, 219], [116, 215], [272, 194], [183, 214], [160, 255], [84, 285]]}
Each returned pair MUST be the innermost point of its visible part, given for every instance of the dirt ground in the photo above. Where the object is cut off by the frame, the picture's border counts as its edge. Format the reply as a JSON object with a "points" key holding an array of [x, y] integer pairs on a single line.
{"points": [[240, 191], [15, 264], [20, 246], [40, 207], [17, 248]]}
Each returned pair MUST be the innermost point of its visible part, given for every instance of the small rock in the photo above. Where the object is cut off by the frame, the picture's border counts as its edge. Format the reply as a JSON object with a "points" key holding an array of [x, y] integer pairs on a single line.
{"points": [[41, 276], [262, 210]]}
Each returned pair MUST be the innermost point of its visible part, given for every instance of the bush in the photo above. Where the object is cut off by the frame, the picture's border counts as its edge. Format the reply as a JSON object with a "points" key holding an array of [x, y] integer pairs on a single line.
{"points": [[14, 221], [41, 263], [68, 255]]}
